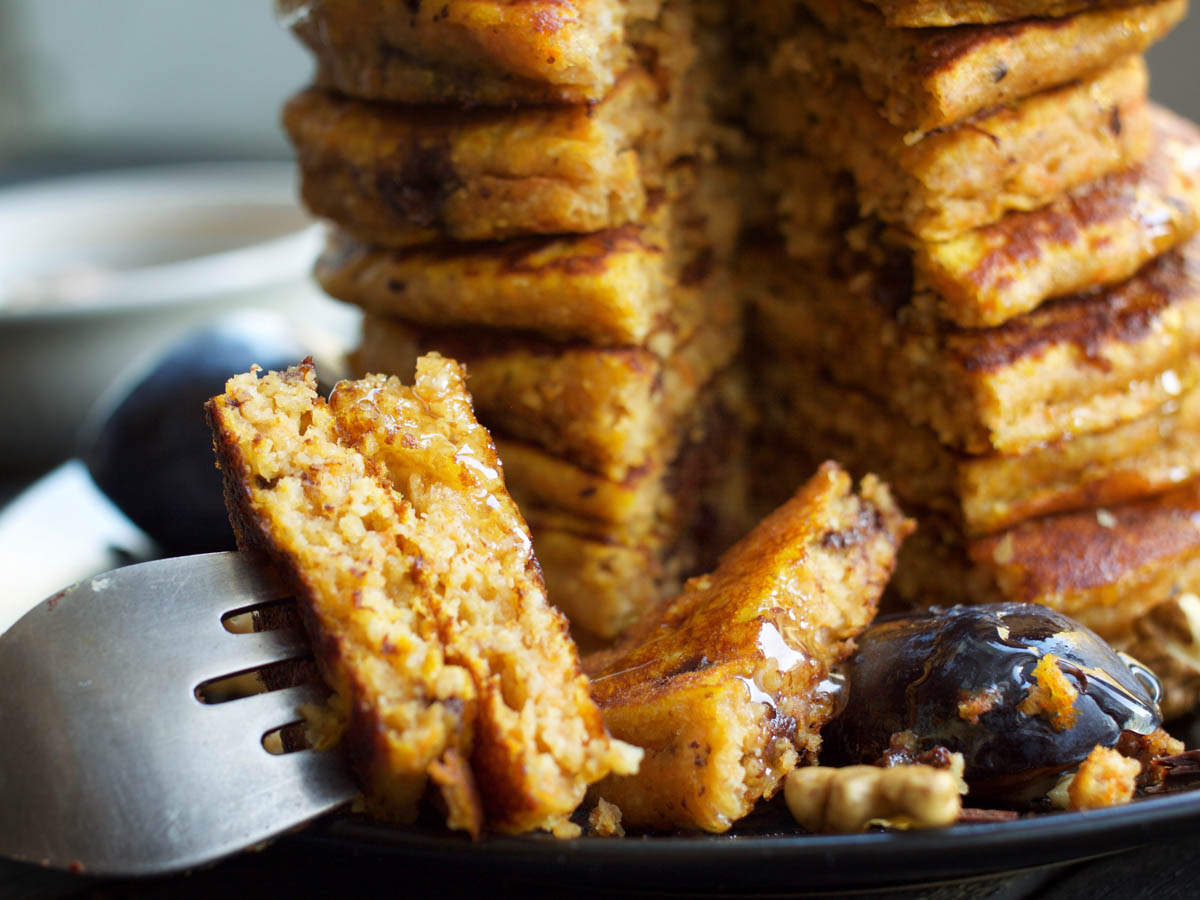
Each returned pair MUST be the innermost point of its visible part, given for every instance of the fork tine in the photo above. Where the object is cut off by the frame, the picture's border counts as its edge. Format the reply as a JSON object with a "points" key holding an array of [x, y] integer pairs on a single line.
{"points": [[199, 590], [254, 716], [227, 654]]}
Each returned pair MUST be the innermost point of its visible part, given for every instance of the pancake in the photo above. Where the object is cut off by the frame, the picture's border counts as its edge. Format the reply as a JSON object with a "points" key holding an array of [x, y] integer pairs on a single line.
{"points": [[611, 410], [611, 287], [1014, 158], [1105, 567], [926, 79], [472, 52], [1099, 234], [809, 418], [386, 507], [942, 13], [398, 176], [611, 550], [1076, 365], [637, 285], [723, 685], [508, 53]]}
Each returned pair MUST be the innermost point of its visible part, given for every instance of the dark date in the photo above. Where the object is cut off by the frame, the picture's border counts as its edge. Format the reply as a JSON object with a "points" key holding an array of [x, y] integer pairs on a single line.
{"points": [[962, 679]]}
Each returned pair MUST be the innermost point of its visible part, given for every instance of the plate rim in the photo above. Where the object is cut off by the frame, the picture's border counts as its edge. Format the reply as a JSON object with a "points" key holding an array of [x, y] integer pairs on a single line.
{"points": [[681, 863]]}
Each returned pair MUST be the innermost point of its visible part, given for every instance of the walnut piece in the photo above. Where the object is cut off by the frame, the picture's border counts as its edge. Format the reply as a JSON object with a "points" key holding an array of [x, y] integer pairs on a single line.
{"points": [[1105, 778], [605, 820], [849, 799]]}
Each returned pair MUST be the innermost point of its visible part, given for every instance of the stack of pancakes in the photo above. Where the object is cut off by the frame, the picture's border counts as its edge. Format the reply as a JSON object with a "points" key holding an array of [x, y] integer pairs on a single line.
{"points": [[543, 203], [979, 278]]}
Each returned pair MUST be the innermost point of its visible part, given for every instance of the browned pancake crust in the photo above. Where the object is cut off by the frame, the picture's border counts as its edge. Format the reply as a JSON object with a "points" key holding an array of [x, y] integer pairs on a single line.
{"points": [[809, 418], [1017, 157], [1073, 366], [490, 52], [611, 410], [1105, 567], [924, 79], [1099, 234], [943, 13], [398, 176], [721, 685]]}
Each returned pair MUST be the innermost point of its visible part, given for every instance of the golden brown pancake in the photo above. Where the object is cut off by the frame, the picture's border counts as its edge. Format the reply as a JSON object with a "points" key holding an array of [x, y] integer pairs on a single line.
{"points": [[923, 79], [386, 509], [490, 52], [637, 285], [610, 549], [1076, 365], [942, 13], [724, 686], [807, 418], [610, 410], [1017, 157], [398, 176], [1105, 567], [1100, 233]]}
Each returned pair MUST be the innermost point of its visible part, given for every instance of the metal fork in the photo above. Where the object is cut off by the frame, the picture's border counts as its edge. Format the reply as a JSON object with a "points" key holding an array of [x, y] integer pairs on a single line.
{"points": [[110, 761]]}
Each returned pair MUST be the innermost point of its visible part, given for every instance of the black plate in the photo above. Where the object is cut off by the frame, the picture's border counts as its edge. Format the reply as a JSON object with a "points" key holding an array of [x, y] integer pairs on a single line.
{"points": [[759, 864]]}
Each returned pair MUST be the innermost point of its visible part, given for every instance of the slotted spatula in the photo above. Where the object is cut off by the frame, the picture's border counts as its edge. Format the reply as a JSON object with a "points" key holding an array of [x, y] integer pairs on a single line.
{"points": [[110, 761]]}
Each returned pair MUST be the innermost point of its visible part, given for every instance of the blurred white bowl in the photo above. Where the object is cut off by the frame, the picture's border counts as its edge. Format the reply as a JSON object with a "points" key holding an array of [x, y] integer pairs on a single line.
{"points": [[97, 270]]}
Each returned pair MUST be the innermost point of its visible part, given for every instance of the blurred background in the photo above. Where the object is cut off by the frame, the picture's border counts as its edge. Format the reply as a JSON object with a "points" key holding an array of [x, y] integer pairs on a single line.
{"points": [[122, 84], [130, 81]]}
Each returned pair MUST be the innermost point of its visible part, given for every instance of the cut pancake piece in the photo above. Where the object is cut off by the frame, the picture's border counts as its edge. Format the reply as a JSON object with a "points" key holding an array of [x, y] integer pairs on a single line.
{"points": [[1016, 157], [398, 176], [611, 410], [808, 418], [1098, 234], [943, 13], [1073, 366], [466, 51], [538, 738], [924, 79], [402, 712], [727, 685], [671, 519]]}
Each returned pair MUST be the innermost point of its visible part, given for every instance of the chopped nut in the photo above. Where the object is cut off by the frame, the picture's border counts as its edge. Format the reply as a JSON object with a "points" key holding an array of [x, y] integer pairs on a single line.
{"points": [[851, 798], [1059, 795], [1053, 696], [605, 820], [1148, 749], [972, 706], [1105, 778]]}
